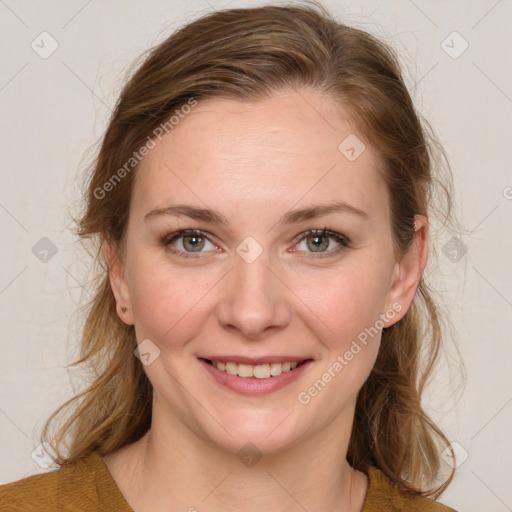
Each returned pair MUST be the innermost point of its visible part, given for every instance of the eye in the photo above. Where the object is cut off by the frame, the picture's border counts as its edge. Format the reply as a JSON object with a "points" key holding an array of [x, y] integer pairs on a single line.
{"points": [[184, 243], [322, 241], [319, 242]]}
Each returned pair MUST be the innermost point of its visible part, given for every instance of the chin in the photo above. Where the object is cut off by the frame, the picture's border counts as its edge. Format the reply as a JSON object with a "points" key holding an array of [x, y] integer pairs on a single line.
{"points": [[263, 432]]}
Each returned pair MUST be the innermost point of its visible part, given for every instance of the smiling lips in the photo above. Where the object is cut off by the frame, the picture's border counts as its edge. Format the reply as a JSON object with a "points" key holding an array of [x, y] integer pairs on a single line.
{"points": [[255, 376], [259, 371]]}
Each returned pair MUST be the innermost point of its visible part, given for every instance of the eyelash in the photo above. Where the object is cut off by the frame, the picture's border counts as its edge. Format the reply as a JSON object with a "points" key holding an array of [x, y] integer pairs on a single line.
{"points": [[341, 239]]}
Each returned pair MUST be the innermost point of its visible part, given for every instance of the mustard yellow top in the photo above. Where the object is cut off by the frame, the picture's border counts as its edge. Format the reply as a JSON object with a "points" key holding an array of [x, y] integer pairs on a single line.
{"points": [[88, 486]]}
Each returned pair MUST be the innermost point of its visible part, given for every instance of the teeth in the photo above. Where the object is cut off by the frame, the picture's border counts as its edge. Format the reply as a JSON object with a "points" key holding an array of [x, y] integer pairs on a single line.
{"points": [[259, 371], [276, 369], [245, 370], [232, 368]]}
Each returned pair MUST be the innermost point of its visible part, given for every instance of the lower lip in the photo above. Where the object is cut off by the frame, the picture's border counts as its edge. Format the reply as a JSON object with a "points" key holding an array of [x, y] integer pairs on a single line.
{"points": [[252, 385]]}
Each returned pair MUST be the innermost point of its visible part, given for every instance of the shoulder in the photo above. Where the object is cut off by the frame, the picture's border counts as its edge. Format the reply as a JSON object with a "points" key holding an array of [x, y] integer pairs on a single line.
{"points": [[30, 493], [385, 496], [81, 487]]}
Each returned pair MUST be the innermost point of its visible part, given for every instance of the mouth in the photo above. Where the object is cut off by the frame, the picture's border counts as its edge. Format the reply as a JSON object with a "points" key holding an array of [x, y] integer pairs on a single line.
{"points": [[256, 371], [255, 376]]}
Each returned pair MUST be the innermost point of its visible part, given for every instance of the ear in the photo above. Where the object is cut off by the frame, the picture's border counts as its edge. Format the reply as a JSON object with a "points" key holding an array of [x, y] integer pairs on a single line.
{"points": [[118, 282], [407, 273]]}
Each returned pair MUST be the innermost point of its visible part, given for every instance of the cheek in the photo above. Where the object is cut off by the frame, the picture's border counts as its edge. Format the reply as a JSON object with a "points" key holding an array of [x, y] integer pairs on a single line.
{"points": [[167, 303], [349, 305], [347, 301]]}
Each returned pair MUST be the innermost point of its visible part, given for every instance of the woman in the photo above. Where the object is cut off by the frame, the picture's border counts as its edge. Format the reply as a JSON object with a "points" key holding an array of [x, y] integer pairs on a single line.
{"points": [[261, 205]]}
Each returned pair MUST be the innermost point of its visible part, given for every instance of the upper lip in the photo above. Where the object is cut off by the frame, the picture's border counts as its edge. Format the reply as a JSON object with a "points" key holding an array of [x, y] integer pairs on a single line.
{"points": [[255, 360]]}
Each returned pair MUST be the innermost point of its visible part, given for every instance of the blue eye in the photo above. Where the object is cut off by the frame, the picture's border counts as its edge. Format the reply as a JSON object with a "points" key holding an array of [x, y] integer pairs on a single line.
{"points": [[189, 243], [321, 242]]}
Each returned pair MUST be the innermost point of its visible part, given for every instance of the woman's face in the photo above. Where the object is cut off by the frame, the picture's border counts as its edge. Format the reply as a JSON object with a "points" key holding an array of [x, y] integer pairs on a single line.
{"points": [[248, 283]]}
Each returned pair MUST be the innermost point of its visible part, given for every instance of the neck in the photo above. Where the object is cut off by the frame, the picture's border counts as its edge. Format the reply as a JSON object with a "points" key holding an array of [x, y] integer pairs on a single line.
{"points": [[174, 469]]}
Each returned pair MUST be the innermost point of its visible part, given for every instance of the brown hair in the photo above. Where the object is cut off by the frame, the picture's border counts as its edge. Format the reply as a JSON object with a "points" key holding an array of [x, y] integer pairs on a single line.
{"points": [[248, 54]]}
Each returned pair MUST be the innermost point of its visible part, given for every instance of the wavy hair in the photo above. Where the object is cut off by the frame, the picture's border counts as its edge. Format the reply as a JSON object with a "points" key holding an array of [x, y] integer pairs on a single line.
{"points": [[249, 54]]}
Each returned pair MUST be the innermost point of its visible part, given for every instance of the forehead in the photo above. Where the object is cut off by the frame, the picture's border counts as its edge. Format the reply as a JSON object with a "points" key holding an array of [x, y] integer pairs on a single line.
{"points": [[261, 155]]}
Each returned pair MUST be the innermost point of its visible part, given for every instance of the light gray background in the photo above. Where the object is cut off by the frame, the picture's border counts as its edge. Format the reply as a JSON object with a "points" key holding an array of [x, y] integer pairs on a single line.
{"points": [[54, 109]]}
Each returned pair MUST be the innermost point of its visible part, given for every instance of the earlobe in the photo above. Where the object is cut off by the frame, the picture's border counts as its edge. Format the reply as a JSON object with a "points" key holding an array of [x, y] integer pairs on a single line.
{"points": [[118, 283], [408, 271]]}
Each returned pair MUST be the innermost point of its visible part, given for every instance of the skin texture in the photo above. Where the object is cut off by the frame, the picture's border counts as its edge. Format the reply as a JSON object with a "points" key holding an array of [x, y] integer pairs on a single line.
{"points": [[253, 162]]}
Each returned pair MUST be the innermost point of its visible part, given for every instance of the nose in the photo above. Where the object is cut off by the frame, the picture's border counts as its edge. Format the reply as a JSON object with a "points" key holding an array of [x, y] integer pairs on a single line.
{"points": [[255, 300]]}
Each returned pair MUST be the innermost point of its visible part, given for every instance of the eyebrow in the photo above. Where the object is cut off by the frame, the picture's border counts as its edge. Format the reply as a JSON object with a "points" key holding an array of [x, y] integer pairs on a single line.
{"points": [[211, 216]]}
